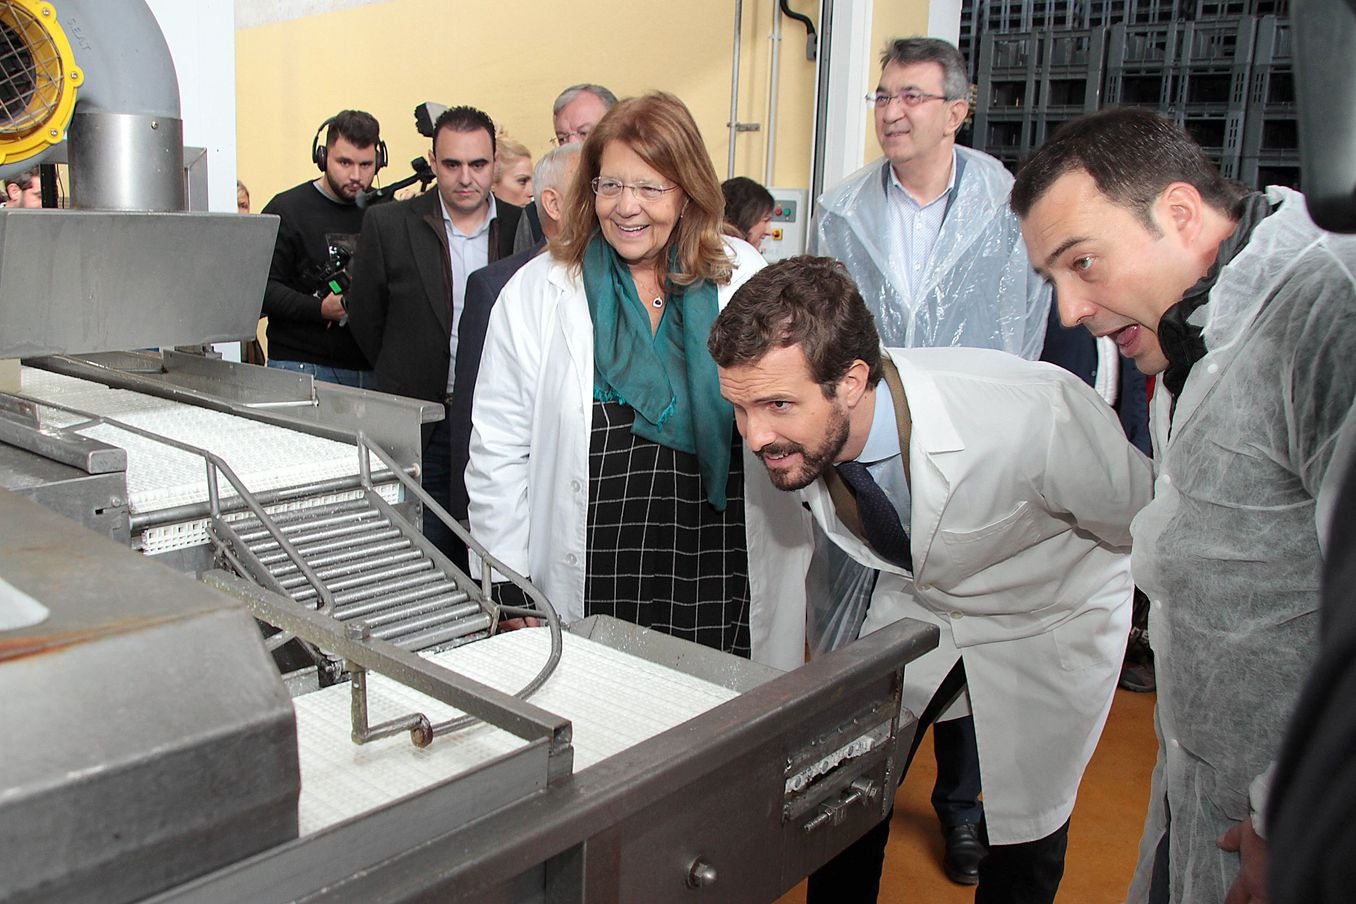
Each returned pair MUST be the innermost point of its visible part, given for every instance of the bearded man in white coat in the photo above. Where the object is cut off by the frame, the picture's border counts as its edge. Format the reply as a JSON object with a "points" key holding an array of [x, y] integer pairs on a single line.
{"points": [[1017, 487], [927, 235]]}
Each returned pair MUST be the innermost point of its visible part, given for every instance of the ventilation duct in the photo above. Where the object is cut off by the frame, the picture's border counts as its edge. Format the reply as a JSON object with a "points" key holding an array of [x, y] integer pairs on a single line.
{"points": [[97, 76]]}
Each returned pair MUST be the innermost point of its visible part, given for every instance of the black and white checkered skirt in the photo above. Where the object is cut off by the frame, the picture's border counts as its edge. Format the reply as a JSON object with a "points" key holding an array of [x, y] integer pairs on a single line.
{"points": [[658, 554]]}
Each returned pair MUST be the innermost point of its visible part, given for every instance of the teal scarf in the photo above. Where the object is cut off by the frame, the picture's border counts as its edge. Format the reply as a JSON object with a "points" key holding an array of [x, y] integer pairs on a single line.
{"points": [[668, 378]]}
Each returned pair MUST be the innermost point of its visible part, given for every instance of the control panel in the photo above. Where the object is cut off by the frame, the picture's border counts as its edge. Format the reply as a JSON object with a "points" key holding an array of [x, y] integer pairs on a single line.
{"points": [[790, 224]]}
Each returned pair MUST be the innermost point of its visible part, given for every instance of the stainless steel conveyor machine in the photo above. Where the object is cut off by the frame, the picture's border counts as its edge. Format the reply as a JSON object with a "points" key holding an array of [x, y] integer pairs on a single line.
{"points": [[153, 750]]}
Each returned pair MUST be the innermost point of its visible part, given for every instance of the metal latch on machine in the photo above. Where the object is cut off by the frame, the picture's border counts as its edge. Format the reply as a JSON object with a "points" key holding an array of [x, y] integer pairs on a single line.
{"points": [[701, 874], [834, 812], [840, 770]]}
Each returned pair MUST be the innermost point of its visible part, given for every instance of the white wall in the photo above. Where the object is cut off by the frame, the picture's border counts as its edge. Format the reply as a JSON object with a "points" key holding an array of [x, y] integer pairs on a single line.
{"points": [[201, 38], [944, 20], [249, 13], [852, 74]]}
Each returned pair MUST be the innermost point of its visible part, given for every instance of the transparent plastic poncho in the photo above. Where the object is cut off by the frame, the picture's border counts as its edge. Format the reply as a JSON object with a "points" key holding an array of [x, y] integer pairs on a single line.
{"points": [[977, 291]]}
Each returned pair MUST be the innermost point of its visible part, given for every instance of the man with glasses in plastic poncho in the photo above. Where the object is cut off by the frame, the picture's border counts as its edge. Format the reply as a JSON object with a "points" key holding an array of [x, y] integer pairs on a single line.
{"points": [[927, 235], [926, 232], [1248, 310]]}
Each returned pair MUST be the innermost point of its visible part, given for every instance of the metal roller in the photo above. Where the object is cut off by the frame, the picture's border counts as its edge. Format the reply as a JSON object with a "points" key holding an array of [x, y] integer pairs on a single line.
{"points": [[287, 517], [363, 552], [448, 607], [299, 524], [346, 613], [335, 571], [417, 624], [405, 583], [343, 546], [361, 574], [381, 575], [312, 537], [457, 631]]}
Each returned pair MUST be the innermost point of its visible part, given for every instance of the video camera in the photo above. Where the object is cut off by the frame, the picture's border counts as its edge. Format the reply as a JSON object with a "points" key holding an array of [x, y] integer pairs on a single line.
{"points": [[425, 115], [335, 278]]}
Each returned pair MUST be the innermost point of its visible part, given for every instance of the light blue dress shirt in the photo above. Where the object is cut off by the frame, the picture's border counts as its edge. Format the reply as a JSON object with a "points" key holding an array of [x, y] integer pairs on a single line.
{"points": [[916, 228], [882, 456], [469, 252]]}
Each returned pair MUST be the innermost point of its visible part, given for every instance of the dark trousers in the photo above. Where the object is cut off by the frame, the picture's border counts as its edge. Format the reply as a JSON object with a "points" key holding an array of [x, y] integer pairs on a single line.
{"points": [[955, 795], [1160, 880], [362, 379], [1026, 873], [437, 482]]}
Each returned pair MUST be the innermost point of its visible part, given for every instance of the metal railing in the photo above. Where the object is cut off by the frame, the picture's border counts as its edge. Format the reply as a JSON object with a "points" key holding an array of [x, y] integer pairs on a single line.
{"points": [[228, 541]]}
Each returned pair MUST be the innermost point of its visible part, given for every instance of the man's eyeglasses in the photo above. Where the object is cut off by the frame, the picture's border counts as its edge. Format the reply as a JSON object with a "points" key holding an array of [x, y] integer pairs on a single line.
{"points": [[564, 138], [612, 188], [910, 98]]}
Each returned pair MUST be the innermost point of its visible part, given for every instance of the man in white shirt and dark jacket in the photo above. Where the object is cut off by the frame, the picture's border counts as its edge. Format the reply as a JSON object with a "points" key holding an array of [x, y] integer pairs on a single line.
{"points": [[409, 285]]}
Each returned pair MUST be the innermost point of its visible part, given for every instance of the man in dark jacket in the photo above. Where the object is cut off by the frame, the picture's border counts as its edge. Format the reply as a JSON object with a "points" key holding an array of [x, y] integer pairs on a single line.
{"points": [[409, 282]]}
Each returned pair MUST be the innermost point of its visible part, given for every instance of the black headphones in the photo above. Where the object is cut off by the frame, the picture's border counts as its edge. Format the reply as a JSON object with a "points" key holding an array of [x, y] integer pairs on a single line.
{"points": [[320, 153]]}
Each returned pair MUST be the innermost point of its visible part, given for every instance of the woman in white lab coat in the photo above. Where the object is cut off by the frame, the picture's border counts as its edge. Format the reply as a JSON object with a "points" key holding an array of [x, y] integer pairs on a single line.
{"points": [[603, 463]]}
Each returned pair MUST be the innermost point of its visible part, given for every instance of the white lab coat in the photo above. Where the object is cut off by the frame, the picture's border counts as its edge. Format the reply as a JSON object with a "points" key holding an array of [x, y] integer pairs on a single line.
{"points": [[1023, 487], [527, 480]]}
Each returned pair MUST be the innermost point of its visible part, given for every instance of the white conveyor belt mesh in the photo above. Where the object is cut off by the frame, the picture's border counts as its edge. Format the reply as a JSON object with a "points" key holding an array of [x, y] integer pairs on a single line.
{"points": [[264, 456], [614, 700]]}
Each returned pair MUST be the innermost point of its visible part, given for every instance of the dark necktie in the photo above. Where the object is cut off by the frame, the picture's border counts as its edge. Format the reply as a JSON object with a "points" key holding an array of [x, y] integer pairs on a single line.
{"points": [[879, 518]]}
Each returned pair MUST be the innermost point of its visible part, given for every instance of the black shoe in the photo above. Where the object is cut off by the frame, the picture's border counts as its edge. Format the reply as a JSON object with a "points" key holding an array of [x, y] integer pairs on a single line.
{"points": [[964, 850], [1138, 678], [1137, 671]]}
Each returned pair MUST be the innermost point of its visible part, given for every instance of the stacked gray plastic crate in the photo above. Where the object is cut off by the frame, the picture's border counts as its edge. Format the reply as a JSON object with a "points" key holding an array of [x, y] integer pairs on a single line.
{"points": [[1031, 82], [1220, 68], [1212, 86], [1271, 132], [1006, 97]]}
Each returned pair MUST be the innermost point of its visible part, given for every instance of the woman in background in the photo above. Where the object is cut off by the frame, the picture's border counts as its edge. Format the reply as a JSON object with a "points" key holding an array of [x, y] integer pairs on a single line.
{"points": [[512, 172], [748, 209]]}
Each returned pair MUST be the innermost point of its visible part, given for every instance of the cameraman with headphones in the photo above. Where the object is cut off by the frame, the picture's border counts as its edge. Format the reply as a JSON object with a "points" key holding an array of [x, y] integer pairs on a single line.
{"points": [[320, 222]]}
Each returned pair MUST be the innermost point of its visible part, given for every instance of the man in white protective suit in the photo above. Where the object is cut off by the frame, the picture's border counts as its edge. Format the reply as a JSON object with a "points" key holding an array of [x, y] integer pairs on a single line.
{"points": [[1248, 312]]}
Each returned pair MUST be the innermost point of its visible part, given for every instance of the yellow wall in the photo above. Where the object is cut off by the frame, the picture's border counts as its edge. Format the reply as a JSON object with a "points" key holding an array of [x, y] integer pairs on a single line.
{"points": [[891, 19], [511, 58]]}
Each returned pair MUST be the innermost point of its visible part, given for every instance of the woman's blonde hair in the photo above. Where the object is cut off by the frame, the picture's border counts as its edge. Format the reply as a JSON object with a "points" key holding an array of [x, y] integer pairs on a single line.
{"points": [[506, 152], [661, 131]]}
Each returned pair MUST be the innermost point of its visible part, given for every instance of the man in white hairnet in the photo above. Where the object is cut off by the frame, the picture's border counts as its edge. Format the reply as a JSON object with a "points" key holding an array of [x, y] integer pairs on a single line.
{"points": [[927, 235], [1248, 311]]}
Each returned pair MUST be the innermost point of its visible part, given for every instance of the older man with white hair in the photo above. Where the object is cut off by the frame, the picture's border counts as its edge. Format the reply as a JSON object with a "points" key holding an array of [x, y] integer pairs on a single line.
{"points": [[551, 177]]}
